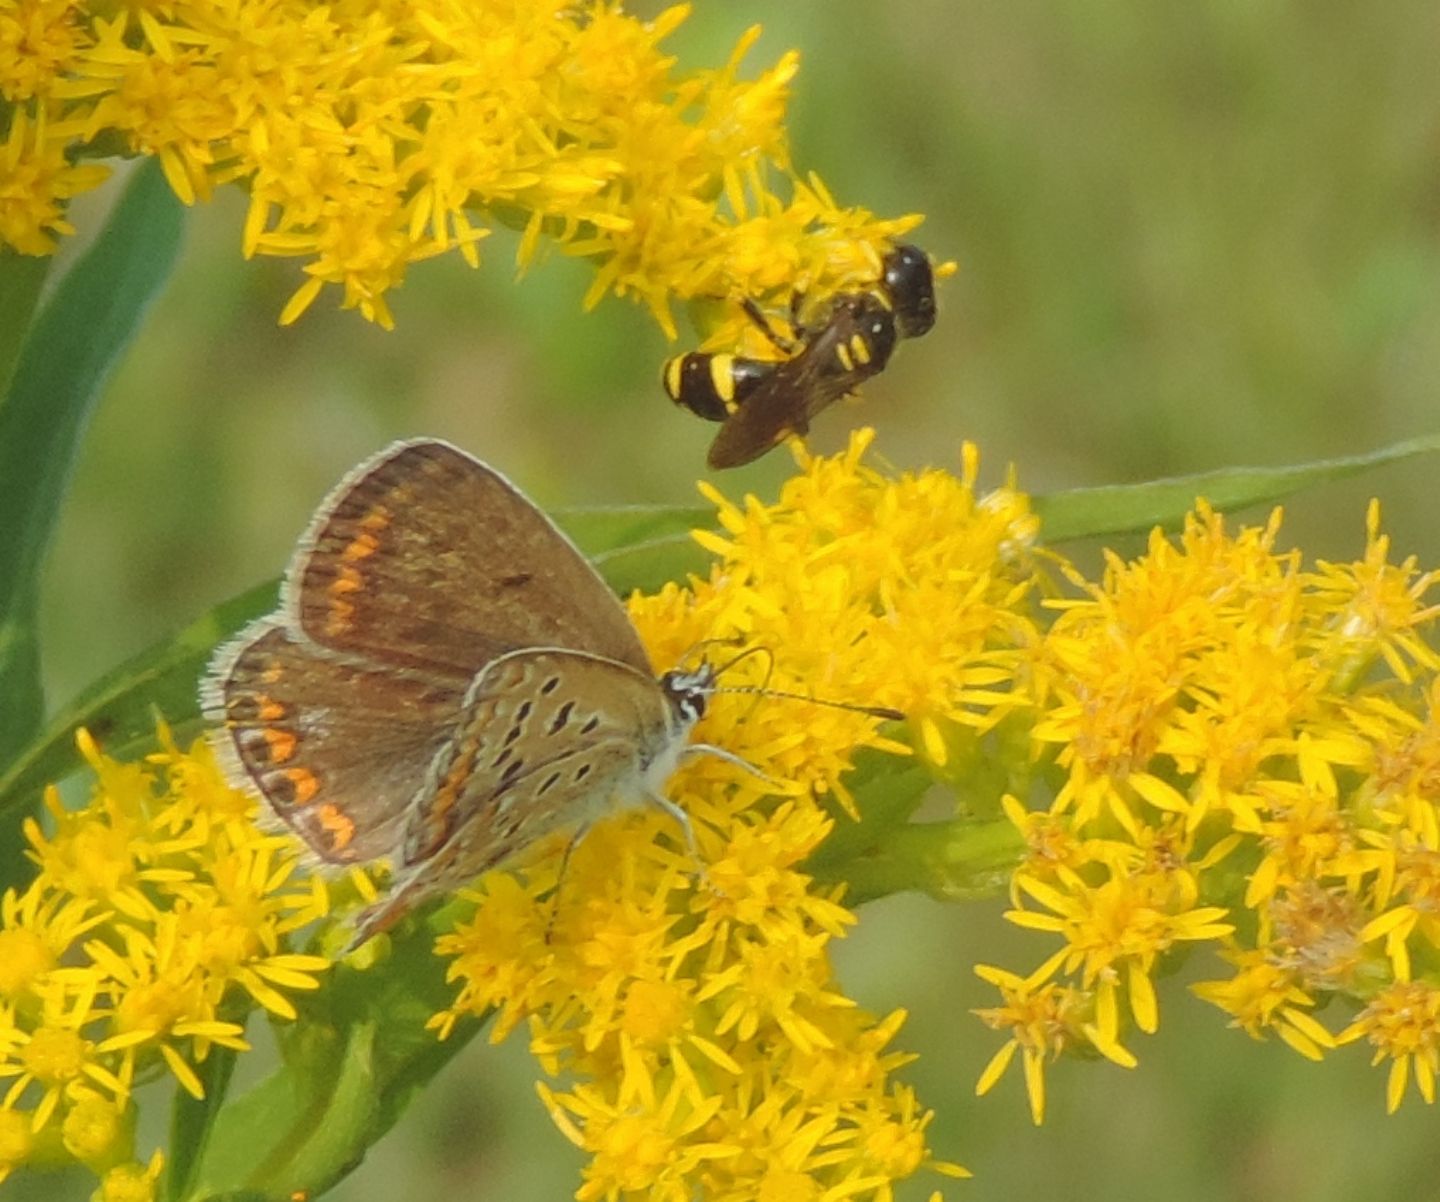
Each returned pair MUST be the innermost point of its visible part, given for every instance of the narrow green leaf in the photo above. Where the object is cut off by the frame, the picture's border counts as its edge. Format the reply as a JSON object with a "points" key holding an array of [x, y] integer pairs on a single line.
{"points": [[78, 337], [192, 1119], [301, 1128], [887, 792], [600, 528], [640, 546], [119, 709], [22, 702], [646, 566], [21, 279], [633, 548], [1122, 508]]}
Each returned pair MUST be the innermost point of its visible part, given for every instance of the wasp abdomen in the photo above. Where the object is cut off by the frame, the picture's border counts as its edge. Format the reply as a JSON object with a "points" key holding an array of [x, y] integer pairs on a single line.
{"points": [[711, 385]]}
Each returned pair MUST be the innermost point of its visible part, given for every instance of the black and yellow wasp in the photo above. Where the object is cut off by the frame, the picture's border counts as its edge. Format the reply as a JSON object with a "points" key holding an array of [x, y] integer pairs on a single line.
{"points": [[760, 401]]}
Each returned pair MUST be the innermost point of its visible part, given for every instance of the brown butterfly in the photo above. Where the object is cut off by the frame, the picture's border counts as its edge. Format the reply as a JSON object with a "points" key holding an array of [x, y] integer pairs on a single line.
{"points": [[446, 681]]}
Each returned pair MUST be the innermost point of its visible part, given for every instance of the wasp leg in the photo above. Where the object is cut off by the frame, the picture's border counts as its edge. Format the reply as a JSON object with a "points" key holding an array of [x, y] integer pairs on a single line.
{"points": [[786, 346]]}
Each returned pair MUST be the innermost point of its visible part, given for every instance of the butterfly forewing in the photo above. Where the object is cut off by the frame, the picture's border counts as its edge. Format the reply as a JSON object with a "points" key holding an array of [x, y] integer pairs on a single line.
{"points": [[338, 749], [425, 558]]}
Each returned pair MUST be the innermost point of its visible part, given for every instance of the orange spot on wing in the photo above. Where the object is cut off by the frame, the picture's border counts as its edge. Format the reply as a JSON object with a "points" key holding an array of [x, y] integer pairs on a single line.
{"points": [[271, 710], [339, 619], [362, 546], [281, 744], [348, 580], [306, 783], [448, 792], [334, 823], [376, 520]]}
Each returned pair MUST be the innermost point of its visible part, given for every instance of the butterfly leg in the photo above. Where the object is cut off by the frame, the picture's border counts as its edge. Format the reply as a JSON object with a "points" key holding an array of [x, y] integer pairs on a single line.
{"points": [[701, 875], [730, 758], [661, 802]]}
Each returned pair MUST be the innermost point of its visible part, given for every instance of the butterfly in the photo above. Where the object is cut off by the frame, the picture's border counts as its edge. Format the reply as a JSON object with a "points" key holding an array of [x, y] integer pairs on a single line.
{"points": [[446, 681]]}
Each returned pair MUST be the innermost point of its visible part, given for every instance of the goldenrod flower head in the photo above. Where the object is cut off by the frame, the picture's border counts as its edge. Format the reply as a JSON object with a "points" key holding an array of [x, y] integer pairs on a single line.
{"points": [[707, 1046], [36, 179], [368, 139], [130, 1182], [17, 1140], [1402, 1024], [95, 1129], [155, 907], [1221, 750], [1244, 756]]}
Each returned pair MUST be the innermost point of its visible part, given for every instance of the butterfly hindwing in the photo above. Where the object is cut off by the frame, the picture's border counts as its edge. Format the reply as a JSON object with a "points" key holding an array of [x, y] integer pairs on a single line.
{"points": [[526, 758], [338, 749], [547, 741], [506, 831]]}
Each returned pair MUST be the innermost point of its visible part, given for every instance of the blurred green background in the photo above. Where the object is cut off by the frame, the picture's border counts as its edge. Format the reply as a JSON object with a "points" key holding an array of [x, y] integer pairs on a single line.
{"points": [[1189, 236]]}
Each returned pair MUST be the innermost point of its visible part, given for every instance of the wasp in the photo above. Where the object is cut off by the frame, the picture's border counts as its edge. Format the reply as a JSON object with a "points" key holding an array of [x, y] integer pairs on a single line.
{"points": [[759, 402]]}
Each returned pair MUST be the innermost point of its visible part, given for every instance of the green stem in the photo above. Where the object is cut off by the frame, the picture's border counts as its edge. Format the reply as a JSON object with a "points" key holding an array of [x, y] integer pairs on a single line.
{"points": [[953, 861]]}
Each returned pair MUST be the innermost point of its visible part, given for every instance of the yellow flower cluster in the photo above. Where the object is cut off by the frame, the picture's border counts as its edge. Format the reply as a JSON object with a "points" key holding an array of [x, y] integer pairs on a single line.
{"points": [[369, 136], [702, 1044], [1243, 753], [1217, 746], [1226, 749], [155, 921]]}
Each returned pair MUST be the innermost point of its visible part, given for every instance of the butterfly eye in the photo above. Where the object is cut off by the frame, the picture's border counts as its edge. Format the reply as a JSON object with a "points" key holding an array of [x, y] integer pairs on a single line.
{"points": [[689, 692]]}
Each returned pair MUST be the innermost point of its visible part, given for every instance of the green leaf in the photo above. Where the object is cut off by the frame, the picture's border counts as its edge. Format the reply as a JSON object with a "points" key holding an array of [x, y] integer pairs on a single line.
{"points": [[633, 547], [354, 1060], [956, 860], [887, 791], [640, 546], [1122, 508], [192, 1119], [120, 708], [21, 279], [302, 1127], [78, 337]]}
